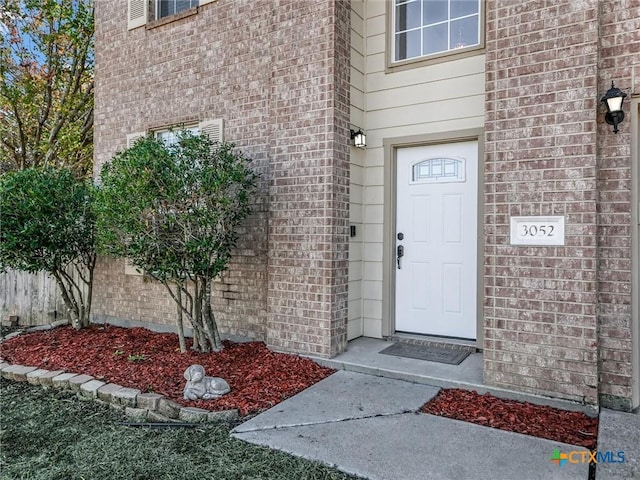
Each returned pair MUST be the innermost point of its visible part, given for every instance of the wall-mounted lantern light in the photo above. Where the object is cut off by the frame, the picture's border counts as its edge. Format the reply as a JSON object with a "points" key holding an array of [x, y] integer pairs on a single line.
{"points": [[613, 101], [359, 138]]}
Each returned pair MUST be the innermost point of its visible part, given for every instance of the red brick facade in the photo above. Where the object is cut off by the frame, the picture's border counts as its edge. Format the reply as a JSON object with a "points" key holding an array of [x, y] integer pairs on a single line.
{"points": [[558, 319], [619, 60], [309, 178], [272, 71]]}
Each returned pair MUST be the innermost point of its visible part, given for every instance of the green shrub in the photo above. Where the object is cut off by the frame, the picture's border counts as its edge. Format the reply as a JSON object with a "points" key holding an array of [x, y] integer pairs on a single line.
{"points": [[174, 210], [47, 224]]}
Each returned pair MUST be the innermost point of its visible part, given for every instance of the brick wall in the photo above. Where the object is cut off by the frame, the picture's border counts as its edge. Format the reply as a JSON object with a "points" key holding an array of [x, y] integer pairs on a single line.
{"points": [[272, 71], [541, 101], [308, 222], [619, 61]]}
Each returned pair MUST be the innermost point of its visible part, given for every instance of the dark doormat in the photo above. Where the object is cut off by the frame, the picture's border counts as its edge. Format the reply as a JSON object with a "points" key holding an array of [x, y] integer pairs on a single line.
{"points": [[428, 353]]}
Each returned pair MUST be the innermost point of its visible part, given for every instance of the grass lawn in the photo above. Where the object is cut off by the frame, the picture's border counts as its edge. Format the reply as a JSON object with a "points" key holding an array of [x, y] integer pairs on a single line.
{"points": [[48, 434]]}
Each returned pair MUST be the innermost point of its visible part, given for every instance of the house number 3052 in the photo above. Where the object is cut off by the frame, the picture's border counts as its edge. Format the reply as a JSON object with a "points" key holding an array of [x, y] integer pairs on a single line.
{"points": [[537, 231]]}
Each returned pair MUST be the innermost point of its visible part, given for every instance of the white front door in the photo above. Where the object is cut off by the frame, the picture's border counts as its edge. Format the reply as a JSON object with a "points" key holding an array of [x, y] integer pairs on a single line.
{"points": [[436, 239]]}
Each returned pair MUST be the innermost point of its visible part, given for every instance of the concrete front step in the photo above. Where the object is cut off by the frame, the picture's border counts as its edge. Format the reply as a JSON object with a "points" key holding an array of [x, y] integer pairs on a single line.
{"points": [[363, 356]]}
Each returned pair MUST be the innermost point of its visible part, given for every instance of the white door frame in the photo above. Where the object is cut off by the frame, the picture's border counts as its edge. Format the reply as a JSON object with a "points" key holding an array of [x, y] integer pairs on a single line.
{"points": [[391, 145]]}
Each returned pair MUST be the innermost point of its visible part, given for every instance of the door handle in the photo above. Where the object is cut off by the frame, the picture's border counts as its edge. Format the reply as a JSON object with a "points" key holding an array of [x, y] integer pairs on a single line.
{"points": [[399, 255]]}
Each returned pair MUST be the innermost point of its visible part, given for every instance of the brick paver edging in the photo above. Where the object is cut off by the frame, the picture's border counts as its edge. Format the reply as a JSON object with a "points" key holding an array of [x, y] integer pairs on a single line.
{"points": [[136, 405]]}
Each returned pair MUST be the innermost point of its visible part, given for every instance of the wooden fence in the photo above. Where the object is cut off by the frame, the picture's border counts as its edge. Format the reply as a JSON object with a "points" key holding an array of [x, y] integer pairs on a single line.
{"points": [[34, 298]]}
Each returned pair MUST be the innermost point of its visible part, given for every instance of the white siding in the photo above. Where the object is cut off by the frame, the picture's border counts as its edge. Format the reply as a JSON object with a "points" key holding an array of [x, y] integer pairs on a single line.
{"points": [[442, 97], [355, 326]]}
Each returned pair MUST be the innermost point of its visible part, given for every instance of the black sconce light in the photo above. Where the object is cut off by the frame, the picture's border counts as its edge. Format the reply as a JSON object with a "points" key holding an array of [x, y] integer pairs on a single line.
{"points": [[613, 100], [359, 138]]}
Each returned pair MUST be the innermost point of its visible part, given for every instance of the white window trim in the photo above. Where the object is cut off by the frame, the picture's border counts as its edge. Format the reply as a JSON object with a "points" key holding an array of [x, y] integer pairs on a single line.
{"points": [[449, 51], [214, 128], [156, 9], [138, 12], [194, 129], [393, 65]]}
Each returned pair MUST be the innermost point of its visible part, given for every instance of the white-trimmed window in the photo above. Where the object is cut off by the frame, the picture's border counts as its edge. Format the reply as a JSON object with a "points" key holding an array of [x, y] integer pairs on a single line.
{"points": [[430, 27], [140, 12], [213, 128], [164, 8], [169, 137]]}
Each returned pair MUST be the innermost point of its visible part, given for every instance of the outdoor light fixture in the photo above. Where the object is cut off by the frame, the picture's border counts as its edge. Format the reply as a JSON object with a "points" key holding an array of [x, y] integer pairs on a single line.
{"points": [[613, 100], [359, 138]]}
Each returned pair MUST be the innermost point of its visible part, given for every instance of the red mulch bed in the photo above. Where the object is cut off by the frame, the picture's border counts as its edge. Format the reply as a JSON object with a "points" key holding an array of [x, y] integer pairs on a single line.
{"points": [[259, 378], [574, 428], [152, 362]]}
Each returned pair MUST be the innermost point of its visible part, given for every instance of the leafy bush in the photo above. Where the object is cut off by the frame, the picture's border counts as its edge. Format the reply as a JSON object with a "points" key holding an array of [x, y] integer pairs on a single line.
{"points": [[47, 224], [174, 210]]}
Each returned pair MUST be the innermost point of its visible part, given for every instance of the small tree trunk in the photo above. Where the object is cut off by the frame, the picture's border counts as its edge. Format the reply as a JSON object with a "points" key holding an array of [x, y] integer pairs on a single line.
{"points": [[181, 340], [198, 339], [86, 319], [208, 317], [72, 306], [182, 308], [197, 316]]}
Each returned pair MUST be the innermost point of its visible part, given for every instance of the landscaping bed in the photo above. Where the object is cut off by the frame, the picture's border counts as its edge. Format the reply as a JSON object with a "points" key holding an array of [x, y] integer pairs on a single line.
{"points": [[259, 378], [152, 362], [574, 428]]}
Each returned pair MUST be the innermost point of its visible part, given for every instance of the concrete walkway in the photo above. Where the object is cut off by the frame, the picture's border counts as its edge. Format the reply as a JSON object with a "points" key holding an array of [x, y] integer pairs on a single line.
{"points": [[619, 432], [369, 426]]}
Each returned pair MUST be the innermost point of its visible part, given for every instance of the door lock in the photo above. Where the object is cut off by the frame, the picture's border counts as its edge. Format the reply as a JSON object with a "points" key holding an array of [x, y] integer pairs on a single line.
{"points": [[399, 255]]}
